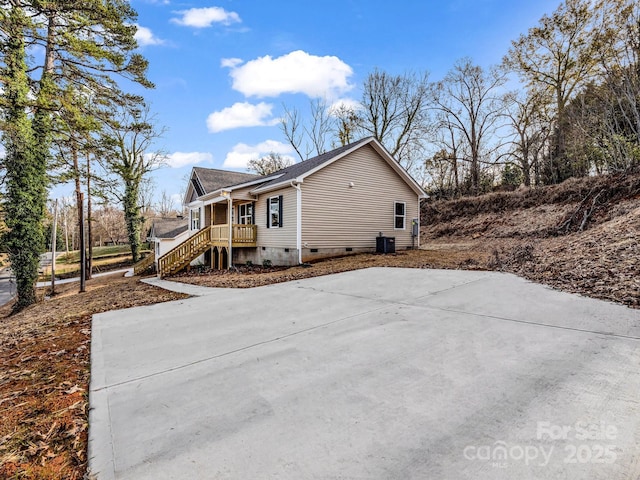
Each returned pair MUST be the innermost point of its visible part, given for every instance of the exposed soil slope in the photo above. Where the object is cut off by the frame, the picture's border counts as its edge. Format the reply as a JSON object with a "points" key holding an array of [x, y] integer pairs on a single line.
{"points": [[581, 236]]}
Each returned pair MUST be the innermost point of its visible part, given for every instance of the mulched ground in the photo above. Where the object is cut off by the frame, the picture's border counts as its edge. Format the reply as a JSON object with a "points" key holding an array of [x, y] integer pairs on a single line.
{"points": [[457, 256], [44, 376]]}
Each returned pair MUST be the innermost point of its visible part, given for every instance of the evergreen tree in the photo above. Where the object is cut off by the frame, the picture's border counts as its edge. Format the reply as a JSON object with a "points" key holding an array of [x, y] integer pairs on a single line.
{"points": [[88, 45]]}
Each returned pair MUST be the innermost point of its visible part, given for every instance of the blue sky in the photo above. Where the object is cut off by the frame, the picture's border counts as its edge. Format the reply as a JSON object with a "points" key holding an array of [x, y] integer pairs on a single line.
{"points": [[223, 70]]}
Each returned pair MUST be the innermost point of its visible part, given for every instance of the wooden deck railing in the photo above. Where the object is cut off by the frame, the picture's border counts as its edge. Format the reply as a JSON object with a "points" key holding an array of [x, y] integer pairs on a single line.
{"points": [[214, 235], [144, 264]]}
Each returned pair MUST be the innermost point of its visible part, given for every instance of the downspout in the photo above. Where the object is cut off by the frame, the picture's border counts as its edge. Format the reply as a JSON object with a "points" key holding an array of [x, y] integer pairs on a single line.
{"points": [[296, 185], [418, 218]]}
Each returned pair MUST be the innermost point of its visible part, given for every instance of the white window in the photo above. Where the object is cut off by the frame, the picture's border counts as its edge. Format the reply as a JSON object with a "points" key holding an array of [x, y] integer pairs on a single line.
{"points": [[195, 219], [400, 215], [245, 214]]}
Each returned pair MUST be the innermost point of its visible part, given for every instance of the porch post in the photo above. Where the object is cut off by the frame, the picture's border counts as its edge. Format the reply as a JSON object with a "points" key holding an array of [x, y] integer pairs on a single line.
{"points": [[229, 217]]}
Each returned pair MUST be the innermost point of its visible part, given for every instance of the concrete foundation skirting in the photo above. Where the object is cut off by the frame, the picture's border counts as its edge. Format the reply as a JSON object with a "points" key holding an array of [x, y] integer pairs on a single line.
{"points": [[277, 256], [289, 256]]}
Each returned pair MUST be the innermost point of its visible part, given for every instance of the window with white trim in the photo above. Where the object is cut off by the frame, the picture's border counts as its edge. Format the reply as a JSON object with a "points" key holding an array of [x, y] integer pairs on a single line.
{"points": [[245, 214], [195, 219], [400, 215]]}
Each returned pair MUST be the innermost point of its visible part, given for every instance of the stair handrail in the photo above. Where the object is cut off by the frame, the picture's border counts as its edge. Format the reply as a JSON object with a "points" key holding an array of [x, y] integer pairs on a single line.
{"points": [[183, 249]]}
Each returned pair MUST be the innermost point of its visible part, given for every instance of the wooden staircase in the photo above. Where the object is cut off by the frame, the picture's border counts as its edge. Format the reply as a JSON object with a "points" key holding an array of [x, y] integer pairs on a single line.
{"points": [[145, 264], [210, 236]]}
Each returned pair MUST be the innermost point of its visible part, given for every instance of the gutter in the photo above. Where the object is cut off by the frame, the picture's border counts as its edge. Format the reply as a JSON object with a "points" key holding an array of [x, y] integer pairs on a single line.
{"points": [[296, 185]]}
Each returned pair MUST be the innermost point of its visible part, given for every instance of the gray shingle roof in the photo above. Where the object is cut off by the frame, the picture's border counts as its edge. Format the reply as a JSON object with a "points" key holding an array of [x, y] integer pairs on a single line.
{"points": [[300, 168], [213, 179], [169, 227]]}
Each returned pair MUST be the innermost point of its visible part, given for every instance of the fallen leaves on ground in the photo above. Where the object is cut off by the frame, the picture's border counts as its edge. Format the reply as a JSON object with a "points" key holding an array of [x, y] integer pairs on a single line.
{"points": [[44, 376]]}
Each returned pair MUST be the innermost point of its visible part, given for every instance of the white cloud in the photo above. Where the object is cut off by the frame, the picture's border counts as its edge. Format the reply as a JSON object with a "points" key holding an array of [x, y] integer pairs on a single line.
{"points": [[295, 72], [205, 17], [182, 159], [240, 155], [344, 103], [144, 36], [241, 115], [230, 62]]}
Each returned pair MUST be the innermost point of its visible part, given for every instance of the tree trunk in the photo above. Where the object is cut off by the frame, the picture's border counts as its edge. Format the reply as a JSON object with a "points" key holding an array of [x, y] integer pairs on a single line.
{"points": [[89, 222], [132, 219], [78, 190], [25, 180]]}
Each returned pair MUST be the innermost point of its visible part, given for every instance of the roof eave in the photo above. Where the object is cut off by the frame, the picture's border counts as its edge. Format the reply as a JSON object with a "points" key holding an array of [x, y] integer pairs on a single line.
{"points": [[276, 186], [218, 193], [399, 169]]}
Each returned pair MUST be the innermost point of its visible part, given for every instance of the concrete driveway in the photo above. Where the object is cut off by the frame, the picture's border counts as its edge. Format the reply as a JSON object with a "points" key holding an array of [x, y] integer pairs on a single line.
{"points": [[372, 374]]}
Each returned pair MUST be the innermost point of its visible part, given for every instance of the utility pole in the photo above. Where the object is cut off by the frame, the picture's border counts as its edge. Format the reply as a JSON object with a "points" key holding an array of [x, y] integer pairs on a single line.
{"points": [[83, 256], [54, 236]]}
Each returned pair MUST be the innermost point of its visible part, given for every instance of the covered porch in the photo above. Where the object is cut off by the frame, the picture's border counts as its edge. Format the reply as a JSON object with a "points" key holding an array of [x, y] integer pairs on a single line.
{"points": [[216, 242]]}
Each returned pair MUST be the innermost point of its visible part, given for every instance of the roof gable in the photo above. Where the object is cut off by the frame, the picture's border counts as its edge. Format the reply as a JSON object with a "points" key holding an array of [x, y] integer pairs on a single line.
{"points": [[211, 179], [168, 227], [299, 171]]}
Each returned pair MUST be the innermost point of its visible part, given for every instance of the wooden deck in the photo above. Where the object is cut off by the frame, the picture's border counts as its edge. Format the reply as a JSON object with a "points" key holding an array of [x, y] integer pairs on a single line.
{"points": [[211, 236]]}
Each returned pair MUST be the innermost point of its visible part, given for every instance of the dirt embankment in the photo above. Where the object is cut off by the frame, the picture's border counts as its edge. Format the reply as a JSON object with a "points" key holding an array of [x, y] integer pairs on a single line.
{"points": [[581, 236]]}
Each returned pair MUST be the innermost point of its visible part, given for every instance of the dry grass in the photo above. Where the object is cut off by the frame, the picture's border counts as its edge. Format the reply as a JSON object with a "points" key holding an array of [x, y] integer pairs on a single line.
{"points": [[67, 270], [44, 376]]}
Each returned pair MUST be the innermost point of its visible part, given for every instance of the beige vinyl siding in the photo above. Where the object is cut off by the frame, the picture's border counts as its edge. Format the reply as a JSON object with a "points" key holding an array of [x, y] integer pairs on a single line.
{"points": [[243, 194], [282, 237], [335, 215]]}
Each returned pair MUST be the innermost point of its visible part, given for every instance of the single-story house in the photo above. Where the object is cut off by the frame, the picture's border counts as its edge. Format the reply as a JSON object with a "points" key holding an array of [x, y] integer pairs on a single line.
{"points": [[166, 233], [329, 205]]}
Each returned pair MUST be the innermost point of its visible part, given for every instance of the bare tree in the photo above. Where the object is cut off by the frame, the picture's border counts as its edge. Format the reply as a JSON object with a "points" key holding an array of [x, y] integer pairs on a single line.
{"points": [[127, 155], [530, 124], [450, 155], [395, 112], [311, 137], [345, 124], [557, 57], [268, 164], [165, 207], [471, 102], [110, 225]]}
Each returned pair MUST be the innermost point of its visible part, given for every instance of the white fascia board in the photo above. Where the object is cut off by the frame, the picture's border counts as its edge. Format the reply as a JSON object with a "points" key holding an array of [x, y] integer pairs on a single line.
{"points": [[195, 203], [255, 182], [217, 194], [399, 169], [301, 178], [276, 186], [217, 199]]}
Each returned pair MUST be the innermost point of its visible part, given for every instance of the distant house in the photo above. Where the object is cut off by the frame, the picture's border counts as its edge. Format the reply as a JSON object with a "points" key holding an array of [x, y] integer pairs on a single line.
{"points": [[166, 233], [332, 204]]}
